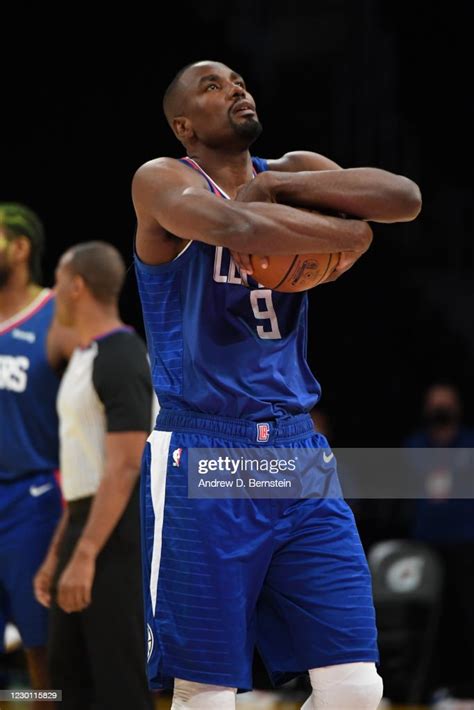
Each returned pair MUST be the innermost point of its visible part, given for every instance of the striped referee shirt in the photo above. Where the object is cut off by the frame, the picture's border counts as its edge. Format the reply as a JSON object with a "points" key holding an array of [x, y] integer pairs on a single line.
{"points": [[106, 388]]}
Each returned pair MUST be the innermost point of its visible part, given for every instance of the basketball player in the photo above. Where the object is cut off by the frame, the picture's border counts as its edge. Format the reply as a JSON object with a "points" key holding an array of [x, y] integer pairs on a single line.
{"points": [[93, 589], [33, 351], [229, 368]]}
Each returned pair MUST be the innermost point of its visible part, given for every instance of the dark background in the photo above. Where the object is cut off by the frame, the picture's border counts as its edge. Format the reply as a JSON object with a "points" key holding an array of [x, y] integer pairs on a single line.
{"points": [[383, 83]]}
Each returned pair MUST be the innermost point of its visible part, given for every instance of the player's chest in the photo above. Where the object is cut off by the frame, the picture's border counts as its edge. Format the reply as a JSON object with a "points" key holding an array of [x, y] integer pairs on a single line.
{"points": [[228, 297]]}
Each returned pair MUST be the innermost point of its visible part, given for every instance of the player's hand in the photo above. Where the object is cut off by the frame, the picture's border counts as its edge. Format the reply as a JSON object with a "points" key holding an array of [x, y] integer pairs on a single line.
{"points": [[254, 191], [75, 583], [347, 259], [244, 264], [43, 579], [257, 190]]}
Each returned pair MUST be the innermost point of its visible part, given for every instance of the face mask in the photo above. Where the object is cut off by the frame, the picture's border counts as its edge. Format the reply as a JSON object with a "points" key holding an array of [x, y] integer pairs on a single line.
{"points": [[441, 416]]}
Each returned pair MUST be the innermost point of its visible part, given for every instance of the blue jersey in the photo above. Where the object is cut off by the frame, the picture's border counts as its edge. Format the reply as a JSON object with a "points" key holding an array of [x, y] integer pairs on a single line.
{"points": [[221, 344], [28, 389]]}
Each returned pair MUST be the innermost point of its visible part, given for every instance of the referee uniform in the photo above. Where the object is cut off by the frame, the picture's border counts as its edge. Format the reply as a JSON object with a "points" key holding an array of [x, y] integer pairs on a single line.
{"points": [[97, 655]]}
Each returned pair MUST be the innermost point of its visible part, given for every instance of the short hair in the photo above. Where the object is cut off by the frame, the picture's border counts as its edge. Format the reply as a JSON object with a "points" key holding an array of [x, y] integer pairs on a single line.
{"points": [[20, 221], [171, 92], [101, 266]]}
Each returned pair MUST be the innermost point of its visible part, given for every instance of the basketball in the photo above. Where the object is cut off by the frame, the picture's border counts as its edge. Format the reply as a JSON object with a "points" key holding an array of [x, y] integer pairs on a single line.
{"points": [[294, 272]]}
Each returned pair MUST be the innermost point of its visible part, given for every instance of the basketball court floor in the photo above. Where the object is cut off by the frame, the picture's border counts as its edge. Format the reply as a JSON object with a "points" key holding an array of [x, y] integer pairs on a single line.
{"points": [[243, 703]]}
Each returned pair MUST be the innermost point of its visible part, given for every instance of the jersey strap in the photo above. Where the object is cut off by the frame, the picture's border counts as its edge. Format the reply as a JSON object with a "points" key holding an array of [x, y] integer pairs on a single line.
{"points": [[26, 313], [213, 186]]}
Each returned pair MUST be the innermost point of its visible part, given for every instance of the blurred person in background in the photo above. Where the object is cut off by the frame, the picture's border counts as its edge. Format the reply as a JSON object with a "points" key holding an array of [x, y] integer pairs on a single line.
{"points": [[376, 518], [34, 349], [91, 577], [444, 518], [322, 422]]}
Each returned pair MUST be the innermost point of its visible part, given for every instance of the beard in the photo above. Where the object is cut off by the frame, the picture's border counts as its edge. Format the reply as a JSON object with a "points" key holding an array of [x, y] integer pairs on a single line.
{"points": [[249, 130], [5, 273]]}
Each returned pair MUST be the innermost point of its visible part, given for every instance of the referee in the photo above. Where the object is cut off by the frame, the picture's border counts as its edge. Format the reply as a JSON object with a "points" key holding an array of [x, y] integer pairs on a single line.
{"points": [[91, 576]]}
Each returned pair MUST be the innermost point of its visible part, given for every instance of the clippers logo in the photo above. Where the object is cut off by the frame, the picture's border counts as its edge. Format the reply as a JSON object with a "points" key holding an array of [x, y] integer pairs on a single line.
{"points": [[13, 373], [177, 457], [263, 432]]}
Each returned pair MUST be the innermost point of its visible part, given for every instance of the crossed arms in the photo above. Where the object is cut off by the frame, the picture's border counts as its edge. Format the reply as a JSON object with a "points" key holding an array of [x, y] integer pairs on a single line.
{"points": [[172, 200]]}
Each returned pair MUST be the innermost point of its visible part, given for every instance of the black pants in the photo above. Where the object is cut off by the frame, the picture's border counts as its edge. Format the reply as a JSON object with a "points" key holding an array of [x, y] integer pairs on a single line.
{"points": [[97, 656], [454, 655]]}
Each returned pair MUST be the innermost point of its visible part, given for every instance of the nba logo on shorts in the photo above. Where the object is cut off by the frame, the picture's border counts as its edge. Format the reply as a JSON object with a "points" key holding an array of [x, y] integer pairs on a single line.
{"points": [[177, 457], [263, 432]]}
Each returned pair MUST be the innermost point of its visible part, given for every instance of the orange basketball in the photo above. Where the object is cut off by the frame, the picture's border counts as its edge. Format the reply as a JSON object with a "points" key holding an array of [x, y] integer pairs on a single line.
{"points": [[296, 272]]}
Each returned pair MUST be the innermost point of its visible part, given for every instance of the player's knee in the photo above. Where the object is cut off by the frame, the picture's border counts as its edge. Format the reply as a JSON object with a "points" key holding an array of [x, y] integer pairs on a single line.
{"points": [[188, 695], [355, 686]]}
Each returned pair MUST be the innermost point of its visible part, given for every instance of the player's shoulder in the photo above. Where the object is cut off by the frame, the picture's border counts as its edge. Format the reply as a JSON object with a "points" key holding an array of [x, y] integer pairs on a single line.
{"points": [[297, 160], [164, 168], [161, 163], [43, 306], [159, 177]]}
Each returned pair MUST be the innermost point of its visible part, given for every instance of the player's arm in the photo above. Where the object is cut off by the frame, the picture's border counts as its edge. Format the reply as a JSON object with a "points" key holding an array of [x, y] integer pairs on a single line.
{"points": [[310, 180], [298, 160], [291, 163], [179, 204]]}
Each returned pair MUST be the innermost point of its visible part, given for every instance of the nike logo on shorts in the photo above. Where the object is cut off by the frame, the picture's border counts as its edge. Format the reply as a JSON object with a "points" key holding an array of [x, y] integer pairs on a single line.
{"points": [[327, 457], [39, 490]]}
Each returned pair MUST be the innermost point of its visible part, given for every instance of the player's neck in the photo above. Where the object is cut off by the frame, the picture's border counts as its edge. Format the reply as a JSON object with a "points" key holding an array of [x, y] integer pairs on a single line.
{"points": [[17, 294], [94, 321], [228, 169]]}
